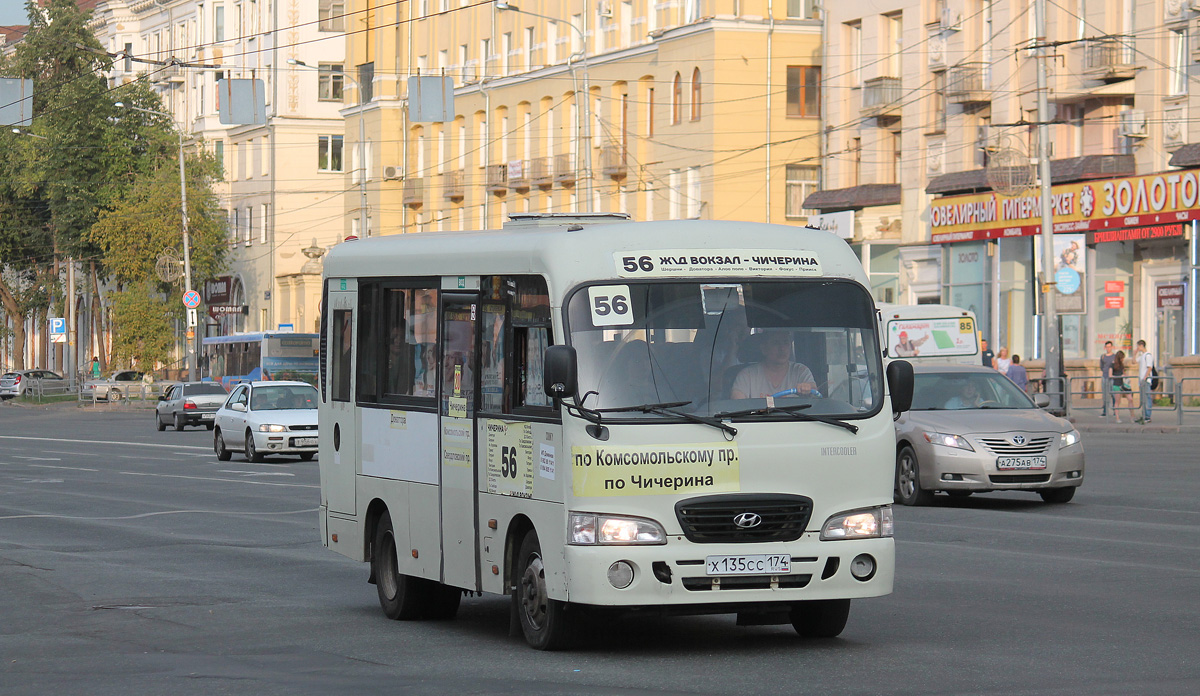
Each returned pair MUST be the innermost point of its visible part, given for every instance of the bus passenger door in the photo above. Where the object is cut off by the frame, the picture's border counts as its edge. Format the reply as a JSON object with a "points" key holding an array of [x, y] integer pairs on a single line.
{"points": [[337, 429], [456, 399]]}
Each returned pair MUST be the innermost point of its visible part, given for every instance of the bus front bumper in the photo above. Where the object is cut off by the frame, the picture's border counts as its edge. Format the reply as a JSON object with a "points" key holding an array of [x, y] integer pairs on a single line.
{"points": [[677, 573]]}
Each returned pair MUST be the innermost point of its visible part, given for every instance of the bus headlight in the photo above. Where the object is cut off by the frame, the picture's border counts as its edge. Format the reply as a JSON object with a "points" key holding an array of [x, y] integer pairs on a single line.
{"points": [[272, 428], [1068, 439], [860, 524], [588, 528]]}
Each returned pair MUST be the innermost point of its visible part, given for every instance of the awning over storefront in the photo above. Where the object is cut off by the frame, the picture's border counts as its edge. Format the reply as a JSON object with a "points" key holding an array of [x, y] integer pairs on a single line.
{"points": [[1186, 156], [855, 197], [1061, 171]]}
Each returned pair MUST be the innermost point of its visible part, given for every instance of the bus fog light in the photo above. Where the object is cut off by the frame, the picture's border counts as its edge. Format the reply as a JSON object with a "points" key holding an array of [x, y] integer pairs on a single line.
{"points": [[863, 567], [620, 574]]}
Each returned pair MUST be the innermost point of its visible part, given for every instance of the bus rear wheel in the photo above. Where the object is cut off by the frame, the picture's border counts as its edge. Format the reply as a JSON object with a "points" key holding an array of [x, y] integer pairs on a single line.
{"points": [[402, 597], [544, 621], [823, 618]]}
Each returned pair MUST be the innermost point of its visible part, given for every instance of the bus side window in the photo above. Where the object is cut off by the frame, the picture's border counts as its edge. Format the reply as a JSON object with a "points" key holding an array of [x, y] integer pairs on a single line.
{"points": [[339, 379], [369, 336]]}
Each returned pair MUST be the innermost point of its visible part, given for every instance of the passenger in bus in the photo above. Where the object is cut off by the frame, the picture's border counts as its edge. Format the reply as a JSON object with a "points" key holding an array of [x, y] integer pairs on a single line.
{"points": [[776, 373]]}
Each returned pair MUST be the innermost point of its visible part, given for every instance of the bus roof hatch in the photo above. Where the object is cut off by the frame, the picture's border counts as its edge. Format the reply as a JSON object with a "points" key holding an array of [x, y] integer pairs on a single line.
{"points": [[535, 221]]}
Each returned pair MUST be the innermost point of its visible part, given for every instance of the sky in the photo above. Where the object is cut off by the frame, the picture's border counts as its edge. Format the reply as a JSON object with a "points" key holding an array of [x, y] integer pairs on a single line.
{"points": [[12, 12]]}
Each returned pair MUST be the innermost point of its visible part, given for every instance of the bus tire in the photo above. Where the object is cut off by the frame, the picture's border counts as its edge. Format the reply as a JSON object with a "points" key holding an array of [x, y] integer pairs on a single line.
{"points": [[443, 601], [252, 453], [223, 454], [402, 597], [822, 618], [908, 479], [544, 621]]}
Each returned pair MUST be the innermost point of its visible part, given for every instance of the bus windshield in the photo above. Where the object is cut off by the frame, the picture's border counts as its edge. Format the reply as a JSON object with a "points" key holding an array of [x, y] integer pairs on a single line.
{"points": [[728, 347]]}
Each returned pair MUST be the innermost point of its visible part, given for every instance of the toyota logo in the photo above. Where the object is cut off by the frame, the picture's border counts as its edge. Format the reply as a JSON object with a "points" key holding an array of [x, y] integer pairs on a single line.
{"points": [[747, 520], [1018, 440]]}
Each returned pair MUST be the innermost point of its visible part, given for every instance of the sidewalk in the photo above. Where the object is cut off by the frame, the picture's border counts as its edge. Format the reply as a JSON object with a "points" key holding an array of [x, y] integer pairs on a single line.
{"points": [[1086, 417]]}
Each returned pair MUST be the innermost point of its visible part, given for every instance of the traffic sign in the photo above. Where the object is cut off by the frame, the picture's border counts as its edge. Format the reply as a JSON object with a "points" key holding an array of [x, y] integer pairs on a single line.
{"points": [[58, 330], [191, 299], [192, 318]]}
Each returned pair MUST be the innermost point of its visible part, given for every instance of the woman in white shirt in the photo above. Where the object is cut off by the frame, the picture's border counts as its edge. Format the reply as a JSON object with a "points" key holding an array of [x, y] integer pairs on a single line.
{"points": [[1002, 362]]}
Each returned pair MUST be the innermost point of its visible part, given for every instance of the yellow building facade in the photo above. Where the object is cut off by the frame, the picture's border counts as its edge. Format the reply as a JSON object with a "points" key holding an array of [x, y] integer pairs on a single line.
{"points": [[696, 109]]}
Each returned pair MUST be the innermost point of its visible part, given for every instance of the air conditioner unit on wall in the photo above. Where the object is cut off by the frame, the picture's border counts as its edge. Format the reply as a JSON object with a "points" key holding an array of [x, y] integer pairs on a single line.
{"points": [[951, 21], [391, 172], [1131, 123], [606, 9]]}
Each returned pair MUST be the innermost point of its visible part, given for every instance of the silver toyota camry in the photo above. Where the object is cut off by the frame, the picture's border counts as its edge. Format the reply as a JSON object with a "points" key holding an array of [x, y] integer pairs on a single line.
{"points": [[971, 430]]}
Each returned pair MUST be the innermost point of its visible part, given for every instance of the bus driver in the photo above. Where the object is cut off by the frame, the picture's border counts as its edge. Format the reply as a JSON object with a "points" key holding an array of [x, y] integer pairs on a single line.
{"points": [[776, 373]]}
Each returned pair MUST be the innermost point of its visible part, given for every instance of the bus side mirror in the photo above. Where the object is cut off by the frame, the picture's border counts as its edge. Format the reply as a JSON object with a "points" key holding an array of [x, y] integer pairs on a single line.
{"points": [[561, 372], [900, 385]]}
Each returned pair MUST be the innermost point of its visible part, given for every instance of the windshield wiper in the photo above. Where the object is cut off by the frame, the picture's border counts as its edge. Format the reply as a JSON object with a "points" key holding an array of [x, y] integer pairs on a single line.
{"points": [[793, 411], [668, 409]]}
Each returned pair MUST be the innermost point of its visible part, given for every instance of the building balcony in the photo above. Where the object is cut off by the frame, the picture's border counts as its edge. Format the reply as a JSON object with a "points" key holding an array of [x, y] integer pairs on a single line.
{"points": [[542, 172], [452, 185], [881, 97], [968, 83], [613, 161], [518, 175], [1109, 58], [172, 72], [495, 179], [564, 169], [413, 194]]}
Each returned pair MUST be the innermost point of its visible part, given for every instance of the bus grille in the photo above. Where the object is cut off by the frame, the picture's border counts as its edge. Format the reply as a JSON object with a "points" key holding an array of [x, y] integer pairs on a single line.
{"points": [[747, 582], [710, 520]]}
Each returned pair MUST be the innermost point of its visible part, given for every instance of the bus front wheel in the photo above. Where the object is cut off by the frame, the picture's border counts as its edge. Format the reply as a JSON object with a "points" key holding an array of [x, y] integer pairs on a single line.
{"points": [[402, 597], [544, 621], [823, 618]]}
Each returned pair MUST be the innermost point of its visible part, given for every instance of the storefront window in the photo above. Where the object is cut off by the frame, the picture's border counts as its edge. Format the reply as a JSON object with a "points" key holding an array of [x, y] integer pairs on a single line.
{"points": [[1113, 297], [1016, 296], [885, 272], [968, 288]]}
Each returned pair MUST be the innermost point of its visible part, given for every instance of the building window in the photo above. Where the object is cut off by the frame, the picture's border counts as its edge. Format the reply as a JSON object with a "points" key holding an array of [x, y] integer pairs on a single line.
{"points": [[366, 82], [803, 91], [937, 104], [329, 153], [1179, 62], [330, 81], [677, 100], [855, 161], [219, 23], [802, 9], [331, 15], [802, 181], [696, 94], [896, 155]]}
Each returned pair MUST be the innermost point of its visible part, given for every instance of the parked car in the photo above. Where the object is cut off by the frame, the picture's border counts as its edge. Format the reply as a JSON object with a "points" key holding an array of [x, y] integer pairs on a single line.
{"points": [[267, 417], [117, 386], [14, 384], [189, 403], [971, 430]]}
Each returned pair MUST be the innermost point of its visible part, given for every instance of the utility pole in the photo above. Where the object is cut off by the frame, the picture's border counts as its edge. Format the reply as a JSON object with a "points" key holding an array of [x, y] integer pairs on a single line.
{"points": [[1050, 330]]}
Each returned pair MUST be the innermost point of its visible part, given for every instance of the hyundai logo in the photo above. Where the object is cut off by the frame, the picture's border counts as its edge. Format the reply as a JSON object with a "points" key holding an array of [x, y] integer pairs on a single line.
{"points": [[1018, 440], [747, 520]]}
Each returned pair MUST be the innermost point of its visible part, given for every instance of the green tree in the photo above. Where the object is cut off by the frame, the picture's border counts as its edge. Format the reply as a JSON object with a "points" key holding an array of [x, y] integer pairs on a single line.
{"points": [[144, 320]]}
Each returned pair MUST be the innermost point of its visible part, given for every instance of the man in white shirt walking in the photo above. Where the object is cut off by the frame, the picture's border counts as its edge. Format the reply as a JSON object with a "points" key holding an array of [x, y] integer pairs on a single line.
{"points": [[1145, 364]]}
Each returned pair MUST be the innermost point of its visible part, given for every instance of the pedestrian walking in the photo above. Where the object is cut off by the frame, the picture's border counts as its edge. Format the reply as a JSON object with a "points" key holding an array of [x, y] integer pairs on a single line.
{"points": [[1120, 390], [1002, 362], [95, 367], [988, 355], [1018, 375], [1145, 370], [1106, 363]]}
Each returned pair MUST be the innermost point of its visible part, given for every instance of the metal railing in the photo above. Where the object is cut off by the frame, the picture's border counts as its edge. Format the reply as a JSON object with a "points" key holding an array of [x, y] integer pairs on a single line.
{"points": [[1099, 389], [1057, 388], [124, 392], [1109, 53], [1186, 402], [881, 95]]}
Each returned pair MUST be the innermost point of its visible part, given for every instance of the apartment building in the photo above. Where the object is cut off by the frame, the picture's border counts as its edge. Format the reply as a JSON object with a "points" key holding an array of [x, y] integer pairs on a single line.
{"points": [[283, 179], [930, 123], [676, 109]]}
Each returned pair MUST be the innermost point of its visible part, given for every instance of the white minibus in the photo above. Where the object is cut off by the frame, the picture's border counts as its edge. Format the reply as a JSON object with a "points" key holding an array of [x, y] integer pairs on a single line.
{"points": [[593, 415], [930, 333]]}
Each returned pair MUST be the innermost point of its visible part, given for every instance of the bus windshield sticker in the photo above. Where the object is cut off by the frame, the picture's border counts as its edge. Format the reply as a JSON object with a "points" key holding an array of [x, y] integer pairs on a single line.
{"points": [[748, 262], [655, 469], [456, 407], [456, 444], [509, 452], [610, 305]]}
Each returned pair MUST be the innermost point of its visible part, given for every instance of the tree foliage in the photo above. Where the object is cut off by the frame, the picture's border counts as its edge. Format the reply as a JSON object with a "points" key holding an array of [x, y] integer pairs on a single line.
{"points": [[144, 317]]}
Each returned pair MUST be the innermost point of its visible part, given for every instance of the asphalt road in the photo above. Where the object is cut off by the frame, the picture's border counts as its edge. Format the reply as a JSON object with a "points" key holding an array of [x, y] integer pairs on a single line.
{"points": [[133, 562]]}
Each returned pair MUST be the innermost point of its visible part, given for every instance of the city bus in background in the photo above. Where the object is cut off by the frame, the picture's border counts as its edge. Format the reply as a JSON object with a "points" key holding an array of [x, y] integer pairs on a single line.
{"points": [[596, 416], [930, 333], [255, 356]]}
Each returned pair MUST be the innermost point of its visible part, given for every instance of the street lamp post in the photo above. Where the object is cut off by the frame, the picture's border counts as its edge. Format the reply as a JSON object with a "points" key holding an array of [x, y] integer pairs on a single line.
{"points": [[187, 243], [587, 94], [362, 160]]}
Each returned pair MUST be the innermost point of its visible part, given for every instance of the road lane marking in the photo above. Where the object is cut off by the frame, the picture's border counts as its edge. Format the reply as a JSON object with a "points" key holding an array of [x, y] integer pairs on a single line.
{"points": [[103, 442], [39, 459], [226, 480], [160, 513], [52, 466], [254, 473]]}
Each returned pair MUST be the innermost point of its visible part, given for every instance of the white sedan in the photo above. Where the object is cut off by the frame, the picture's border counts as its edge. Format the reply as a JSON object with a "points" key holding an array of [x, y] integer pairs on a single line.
{"points": [[269, 417]]}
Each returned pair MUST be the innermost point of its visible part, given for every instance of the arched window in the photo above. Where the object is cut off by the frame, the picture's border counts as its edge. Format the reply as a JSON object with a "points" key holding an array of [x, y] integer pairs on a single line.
{"points": [[696, 94], [677, 100]]}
